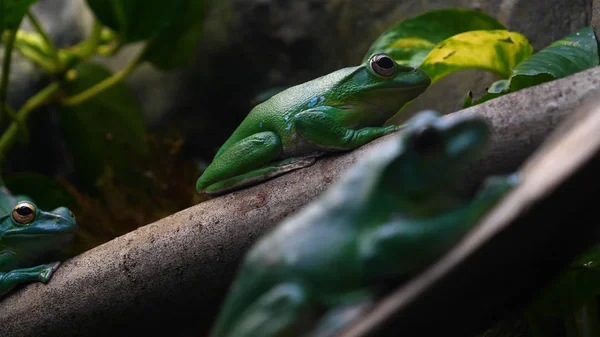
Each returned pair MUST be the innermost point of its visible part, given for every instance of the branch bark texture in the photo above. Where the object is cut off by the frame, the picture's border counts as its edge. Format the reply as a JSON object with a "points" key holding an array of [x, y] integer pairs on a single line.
{"points": [[167, 274]]}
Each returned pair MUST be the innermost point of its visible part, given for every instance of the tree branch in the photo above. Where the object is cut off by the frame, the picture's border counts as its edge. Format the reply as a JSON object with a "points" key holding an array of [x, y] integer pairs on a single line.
{"points": [[174, 272]]}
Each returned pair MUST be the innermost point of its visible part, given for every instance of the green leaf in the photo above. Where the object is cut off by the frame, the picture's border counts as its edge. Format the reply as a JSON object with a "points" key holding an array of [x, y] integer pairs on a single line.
{"points": [[47, 193], [576, 286], [411, 40], [176, 43], [497, 51], [137, 20], [497, 89], [575, 53], [106, 130], [12, 12]]}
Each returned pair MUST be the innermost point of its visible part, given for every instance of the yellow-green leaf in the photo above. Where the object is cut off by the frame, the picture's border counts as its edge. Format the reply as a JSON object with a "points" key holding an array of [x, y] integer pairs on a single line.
{"points": [[498, 51], [411, 40]]}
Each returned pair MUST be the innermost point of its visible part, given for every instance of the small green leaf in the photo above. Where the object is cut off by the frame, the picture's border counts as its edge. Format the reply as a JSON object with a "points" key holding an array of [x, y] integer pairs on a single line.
{"points": [[497, 89], [411, 40], [577, 285], [137, 20], [12, 12], [497, 51], [106, 130], [575, 53], [47, 193], [176, 43]]}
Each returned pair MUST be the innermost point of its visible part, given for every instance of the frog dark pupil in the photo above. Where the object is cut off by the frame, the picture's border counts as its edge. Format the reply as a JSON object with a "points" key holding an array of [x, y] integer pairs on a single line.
{"points": [[24, 211], [428, 141], [385, 63]]}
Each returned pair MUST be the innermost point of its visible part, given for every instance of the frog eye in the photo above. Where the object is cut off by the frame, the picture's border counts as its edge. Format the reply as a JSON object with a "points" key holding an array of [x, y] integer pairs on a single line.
{"points": [[383, 65], [428, 141], [24, 212]]}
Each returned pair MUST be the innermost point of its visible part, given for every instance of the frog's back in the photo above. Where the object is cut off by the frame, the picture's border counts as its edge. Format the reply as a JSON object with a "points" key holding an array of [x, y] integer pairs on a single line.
{"points": [[275, 113]]}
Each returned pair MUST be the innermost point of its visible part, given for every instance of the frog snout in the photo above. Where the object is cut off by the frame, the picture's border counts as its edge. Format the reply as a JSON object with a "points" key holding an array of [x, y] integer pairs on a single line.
{"points": [[425, 79]]}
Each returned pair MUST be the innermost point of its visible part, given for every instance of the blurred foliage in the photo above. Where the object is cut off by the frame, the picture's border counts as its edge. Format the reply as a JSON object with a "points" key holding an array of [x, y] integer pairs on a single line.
{"points": [[575, 290], [172, 28], [124, 178], [12, 12], [158, 187], [106, 130]]}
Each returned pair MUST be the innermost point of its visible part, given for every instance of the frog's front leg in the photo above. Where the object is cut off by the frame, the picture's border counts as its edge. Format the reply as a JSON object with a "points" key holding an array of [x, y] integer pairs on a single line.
{"points": [[246, 163], [321, 129], [41, 273], [278, 312]]}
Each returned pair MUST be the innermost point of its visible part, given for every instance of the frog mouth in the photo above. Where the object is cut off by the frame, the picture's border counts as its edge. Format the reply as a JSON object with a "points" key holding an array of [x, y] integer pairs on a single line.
{"points": [[36, 234]]}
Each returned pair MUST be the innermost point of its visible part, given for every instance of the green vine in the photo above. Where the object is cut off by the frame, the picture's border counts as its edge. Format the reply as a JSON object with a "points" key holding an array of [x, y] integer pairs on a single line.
{"points": [[105, 84], [47, 40], [10, 135]]}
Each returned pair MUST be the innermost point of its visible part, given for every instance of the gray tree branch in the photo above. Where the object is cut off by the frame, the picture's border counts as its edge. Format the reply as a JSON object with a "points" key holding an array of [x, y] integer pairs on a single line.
{"points": [[174, 272]]}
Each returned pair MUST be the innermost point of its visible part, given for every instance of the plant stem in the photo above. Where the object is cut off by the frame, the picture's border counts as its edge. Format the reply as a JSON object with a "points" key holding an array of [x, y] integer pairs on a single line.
{"points": [[105, 84], [88, 47], [49, 43], [13, 116], [35, 57], [10, 135], [8, 47]]}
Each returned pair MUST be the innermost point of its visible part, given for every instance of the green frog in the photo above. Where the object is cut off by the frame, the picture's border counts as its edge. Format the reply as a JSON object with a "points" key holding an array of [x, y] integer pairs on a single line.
{"points": [[388, 217], [27, 235], [339, 111]]}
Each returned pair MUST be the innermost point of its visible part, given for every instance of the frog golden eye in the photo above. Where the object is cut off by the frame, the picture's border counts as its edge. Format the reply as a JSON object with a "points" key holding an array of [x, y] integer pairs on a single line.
{"points": [[383, 65], [428, 141], [24, 212]]}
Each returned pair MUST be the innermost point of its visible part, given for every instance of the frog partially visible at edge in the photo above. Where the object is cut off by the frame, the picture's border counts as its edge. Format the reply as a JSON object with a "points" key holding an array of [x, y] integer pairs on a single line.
{"points": [[27, 236]]}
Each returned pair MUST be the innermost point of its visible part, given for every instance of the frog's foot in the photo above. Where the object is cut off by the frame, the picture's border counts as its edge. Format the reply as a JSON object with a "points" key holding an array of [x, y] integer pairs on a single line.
{"points": [[259, 175], [47, 270], [41, 273], [339, 318], [322, 130], [495, 188], [247, 155], [278, 312]]}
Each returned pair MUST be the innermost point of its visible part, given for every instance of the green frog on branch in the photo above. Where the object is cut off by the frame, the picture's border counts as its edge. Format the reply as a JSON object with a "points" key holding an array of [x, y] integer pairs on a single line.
{"points": [[27, 236]]}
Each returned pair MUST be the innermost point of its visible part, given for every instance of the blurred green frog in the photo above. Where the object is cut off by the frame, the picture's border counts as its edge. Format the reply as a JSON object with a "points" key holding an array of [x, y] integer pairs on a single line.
{"points": [[390, 216]]}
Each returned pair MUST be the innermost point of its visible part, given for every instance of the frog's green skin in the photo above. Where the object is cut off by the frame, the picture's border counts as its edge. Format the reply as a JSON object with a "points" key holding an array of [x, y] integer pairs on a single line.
{"points": [[388, 217], [339, 111], [22, 246]]}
